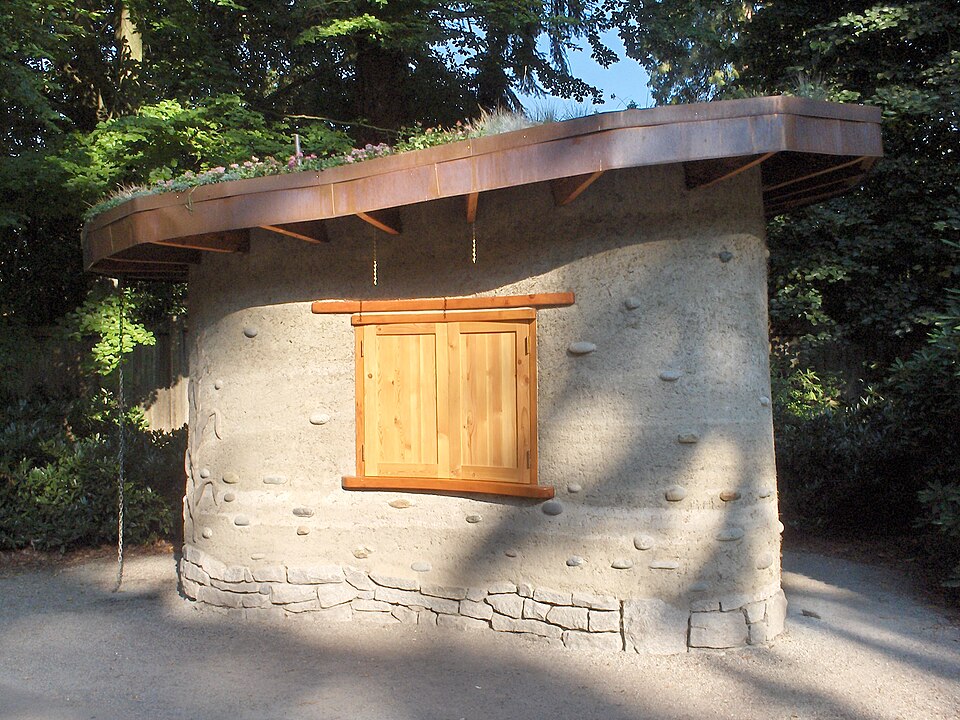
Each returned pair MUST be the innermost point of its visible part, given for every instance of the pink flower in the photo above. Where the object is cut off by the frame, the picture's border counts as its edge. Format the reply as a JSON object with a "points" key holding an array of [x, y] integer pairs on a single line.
{"points": [[248, 164], [233, 166]]}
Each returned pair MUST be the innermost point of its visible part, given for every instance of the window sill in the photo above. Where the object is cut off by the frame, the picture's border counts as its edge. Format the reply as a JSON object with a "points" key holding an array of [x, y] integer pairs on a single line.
{"points": [[484, 487]]}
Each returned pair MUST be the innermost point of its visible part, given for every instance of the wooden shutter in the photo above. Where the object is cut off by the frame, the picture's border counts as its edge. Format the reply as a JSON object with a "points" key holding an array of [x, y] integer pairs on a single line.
{"points": [[404, 368], [448, 404]]}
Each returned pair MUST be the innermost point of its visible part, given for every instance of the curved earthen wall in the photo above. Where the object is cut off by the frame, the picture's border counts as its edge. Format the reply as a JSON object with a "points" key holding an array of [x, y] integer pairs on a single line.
{"points": [[664, 532]]}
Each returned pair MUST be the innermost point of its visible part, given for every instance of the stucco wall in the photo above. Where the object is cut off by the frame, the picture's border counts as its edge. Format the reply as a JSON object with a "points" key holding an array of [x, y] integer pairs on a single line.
{"points": [[659, 443]]}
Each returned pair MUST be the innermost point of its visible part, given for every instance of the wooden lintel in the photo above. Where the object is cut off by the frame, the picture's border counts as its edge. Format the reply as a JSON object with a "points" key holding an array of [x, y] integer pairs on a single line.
{"points": [[867, 161], [226, 242], [386, 220], [313, 231], [473, 200], [500, 315], [566, 190], [538, 300], [453, 485], [725, 171]]}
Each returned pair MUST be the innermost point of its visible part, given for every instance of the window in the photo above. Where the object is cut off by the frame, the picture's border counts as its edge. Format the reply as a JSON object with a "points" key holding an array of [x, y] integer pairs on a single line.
{"points": [[447, 401]]}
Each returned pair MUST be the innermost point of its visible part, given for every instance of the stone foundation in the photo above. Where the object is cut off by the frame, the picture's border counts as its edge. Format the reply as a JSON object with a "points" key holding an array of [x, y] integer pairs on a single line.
{"points": [[576, 620]]}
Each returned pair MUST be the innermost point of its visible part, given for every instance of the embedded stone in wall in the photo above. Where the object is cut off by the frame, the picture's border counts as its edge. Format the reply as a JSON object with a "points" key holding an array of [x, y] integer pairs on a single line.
{"points": [[552, 507], [288, 593], [361, 552], [303, 512], [473, 519], [509, 605], [330, 595], [405, 615], [229, 497], [574, 561], [250, 331], [316, 575], [241, 520], [765, 560], [458, 622], [218, 384], [511, 553], [270, 573], [670, 375], [207, 533], [359, 579], [632, 303], [552, 596], [569, 618], [688, 438], [655, 627], [319, 418], [421, 566], [594, 602], [502, 588], [766, 492], [443, 591], [730, 495], [533, 627], [718, 630], [303, 530], [533, 610], [231, 478], [643, 542], [764, 400], [394, 582], [725, 256], [581, 348], [675, 493], [478, 610], [574, 488], [730, 534], [274, 480], [665, 565], [602, 621], [621, 564], [400, 503], [204, 473]]}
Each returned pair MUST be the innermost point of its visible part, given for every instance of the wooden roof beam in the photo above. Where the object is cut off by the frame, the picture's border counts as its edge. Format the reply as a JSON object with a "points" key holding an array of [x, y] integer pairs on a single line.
{"points": [[386, 220], [706, 174], [312, 231], [866, 162], [473, 200], [566, 190], [229, 241]]}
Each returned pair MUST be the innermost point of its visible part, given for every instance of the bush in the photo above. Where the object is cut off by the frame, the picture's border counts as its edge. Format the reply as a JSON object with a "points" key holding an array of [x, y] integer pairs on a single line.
{"points": [[59, 470]]}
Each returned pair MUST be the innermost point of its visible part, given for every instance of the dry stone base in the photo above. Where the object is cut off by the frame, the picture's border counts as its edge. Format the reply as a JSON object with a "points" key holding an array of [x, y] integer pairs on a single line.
{"points": [[579, 621]]}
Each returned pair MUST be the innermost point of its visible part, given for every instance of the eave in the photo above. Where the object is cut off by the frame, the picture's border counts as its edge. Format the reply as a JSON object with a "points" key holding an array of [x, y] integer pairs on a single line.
{"points": [[806, 150]]}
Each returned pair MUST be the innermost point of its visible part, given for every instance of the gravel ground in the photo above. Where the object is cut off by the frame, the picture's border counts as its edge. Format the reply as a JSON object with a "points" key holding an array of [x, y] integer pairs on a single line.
{"points": [[858, 645]]}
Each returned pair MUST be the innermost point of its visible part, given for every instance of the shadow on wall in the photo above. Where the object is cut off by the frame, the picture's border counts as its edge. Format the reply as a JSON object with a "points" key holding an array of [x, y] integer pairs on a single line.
{"points": [[427, 262]]}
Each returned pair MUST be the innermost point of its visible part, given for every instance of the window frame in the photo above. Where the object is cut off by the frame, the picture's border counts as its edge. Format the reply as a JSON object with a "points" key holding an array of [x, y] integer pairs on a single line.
{"points": [[511, 316]]}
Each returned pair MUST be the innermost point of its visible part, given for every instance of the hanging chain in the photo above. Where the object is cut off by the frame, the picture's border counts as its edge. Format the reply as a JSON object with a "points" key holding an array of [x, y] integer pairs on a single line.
{"points": [[473, 242], [120, 453], [375, 278]]}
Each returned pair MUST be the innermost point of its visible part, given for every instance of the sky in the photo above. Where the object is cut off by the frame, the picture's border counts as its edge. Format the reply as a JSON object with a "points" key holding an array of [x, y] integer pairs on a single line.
{"points": [[621, 83]]}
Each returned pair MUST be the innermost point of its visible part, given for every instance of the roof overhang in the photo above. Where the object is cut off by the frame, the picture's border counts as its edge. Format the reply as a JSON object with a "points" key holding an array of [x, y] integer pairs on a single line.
{"points": [[807, 151]]}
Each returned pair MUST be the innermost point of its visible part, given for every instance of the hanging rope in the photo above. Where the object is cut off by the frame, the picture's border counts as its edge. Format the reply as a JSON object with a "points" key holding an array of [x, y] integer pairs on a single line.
{"points": [[376, 279], [121, 443]]}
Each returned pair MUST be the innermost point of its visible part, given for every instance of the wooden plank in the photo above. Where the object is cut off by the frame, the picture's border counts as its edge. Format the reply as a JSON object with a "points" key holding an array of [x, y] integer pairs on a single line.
{"points": [[566, 190], [825, 171], [386, 220], [536, 300], [312, 232], [473, 200], [441, 317], [451, 485], [713, 172], [226, 242]]}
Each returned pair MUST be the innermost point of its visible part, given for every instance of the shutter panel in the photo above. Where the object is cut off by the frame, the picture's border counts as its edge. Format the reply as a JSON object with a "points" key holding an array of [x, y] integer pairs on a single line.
{"points": [[403, 368], [490, 391]]}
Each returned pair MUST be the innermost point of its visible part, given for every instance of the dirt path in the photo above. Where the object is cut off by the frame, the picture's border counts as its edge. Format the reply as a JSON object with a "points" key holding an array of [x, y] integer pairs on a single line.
{"points": [[71, 649]]}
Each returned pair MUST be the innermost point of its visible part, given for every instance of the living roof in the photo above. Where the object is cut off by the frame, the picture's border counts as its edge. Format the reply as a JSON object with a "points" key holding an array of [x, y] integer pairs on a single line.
{"points": [[807, 151]]}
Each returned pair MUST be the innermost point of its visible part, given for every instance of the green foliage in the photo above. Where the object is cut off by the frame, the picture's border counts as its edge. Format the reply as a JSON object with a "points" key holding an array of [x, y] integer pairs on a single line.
{"points": [[941, 513], [110, 320], [58, 475]]}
